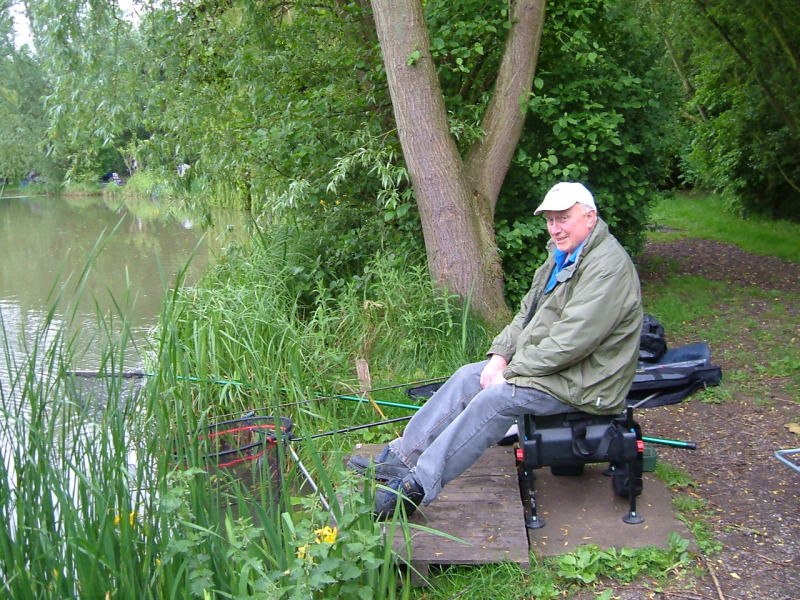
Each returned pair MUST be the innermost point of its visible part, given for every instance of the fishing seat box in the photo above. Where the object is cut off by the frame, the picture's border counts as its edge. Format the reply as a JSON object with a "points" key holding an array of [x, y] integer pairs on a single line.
{"points": [[567, 442]]}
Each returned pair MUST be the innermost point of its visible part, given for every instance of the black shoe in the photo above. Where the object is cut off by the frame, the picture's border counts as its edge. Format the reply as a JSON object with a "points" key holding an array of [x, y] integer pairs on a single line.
{"points": [[386, 465], [407, 488]]}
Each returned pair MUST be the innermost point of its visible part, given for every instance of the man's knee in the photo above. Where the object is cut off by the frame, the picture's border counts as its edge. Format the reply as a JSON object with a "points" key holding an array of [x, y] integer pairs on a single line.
{"points": [[470, 371]]}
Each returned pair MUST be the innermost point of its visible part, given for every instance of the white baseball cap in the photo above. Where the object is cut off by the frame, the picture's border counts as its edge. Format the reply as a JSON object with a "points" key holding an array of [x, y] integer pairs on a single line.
{"points": [[565, 195]]}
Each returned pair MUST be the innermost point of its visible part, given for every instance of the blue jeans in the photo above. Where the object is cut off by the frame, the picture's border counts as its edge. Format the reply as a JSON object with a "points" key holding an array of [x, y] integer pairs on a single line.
{"points": [[461, 420]]}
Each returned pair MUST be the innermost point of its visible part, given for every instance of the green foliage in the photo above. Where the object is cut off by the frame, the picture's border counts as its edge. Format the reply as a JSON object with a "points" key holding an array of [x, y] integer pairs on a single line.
{"points": [[587, 563], [502, 581], [695, 512], [523, 252], [295, 554], [740, 66], [685, 503], [672, 476], [93, 61], [107, 488], [147, 184], [285, 109], [263, 103], [22, 118], [466, 43], [601, 112], [260, 318], [563, 576]]}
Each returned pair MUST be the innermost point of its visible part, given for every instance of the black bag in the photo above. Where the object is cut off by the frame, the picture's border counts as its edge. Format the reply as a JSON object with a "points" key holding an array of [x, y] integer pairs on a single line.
{"points": [[678, 373], [653, 342]]}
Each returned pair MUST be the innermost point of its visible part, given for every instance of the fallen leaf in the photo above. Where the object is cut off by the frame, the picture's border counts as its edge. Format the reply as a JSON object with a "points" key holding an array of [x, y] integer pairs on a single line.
{"points": [[735, 576], [793, 427]]}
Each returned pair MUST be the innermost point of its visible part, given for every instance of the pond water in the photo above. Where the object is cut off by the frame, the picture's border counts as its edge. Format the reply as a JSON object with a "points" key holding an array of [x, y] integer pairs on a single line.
{"points": [[83, 264]]}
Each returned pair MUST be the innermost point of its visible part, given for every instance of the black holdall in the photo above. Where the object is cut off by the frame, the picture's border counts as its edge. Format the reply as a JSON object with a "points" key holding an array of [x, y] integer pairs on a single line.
{"points": [[653, 342]]}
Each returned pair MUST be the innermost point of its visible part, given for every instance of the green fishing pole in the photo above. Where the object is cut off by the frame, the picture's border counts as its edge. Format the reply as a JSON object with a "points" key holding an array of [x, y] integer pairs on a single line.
{"points": [[129, 374], [132, 374]]}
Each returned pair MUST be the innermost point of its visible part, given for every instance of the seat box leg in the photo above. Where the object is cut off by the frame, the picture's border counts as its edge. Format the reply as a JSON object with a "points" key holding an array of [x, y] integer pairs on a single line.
{"points": [[526, 479], [635, 485]]}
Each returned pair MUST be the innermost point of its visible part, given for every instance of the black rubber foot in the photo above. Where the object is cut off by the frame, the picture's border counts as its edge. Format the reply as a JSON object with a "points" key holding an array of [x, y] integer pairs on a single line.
{"points": [[534, 523], [633, 518]]}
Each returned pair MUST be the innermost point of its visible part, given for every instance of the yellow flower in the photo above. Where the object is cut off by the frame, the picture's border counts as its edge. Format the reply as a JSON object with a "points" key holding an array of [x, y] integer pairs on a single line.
{"points": [[131, 518], [326, 534]]}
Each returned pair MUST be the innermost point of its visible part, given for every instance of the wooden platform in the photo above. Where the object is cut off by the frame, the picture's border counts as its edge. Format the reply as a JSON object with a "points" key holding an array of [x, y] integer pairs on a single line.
{"points": [[482, 508]]}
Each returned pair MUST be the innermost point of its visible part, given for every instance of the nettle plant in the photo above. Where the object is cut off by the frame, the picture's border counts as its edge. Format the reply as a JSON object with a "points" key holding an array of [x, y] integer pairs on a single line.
{"points": [[588, 563]]}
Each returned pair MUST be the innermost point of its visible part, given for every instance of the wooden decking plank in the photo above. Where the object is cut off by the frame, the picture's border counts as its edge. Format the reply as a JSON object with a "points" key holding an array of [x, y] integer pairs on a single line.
{"points": [[482, 507]]}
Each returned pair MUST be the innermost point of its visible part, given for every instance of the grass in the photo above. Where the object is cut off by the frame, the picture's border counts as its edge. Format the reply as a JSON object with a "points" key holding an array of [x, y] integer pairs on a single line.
{"points": [[248, 324], [672, 477], [752, 332], [707, 217], [749, 331]]}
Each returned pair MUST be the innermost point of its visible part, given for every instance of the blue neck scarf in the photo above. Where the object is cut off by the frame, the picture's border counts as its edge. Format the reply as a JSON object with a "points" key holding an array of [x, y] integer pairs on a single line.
{"points": [[563, 260]]}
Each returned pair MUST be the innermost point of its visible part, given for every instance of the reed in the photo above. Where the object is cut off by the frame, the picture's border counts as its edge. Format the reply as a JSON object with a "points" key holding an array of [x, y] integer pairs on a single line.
{"points": [[245, 324]]}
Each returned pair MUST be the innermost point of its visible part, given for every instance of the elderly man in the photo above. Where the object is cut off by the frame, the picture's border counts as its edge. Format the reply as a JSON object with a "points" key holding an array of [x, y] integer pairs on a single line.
{"points": [[572, 346]]}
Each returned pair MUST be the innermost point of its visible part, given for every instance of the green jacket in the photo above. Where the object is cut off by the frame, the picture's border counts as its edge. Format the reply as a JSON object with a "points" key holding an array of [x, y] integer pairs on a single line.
{"points": [[581, 344]]}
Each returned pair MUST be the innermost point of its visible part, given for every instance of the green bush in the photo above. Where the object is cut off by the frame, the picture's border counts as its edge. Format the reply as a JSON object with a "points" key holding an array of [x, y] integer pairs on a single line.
{"points": [[601, 112]]}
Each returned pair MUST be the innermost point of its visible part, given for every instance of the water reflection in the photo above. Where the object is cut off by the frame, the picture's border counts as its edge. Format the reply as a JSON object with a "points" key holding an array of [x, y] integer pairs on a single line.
{"points": [[82, 264]]}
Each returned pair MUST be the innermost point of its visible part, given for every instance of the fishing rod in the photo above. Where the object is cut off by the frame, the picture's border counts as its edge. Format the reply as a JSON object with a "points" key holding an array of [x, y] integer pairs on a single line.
{"points": [[317, 398], [673, 443], [249, 418], [349, 429]]}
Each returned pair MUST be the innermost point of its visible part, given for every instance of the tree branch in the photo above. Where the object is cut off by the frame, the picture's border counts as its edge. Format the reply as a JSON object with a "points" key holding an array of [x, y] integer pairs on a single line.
{"points": [[488, 160], [771, 98]]}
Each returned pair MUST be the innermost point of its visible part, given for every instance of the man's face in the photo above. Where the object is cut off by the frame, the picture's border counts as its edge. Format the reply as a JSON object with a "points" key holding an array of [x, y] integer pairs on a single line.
{"points": [[569, 228]]}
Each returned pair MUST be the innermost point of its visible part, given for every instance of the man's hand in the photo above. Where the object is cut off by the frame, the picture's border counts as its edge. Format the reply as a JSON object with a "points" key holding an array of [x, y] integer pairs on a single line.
{"points": [[493, 372]]}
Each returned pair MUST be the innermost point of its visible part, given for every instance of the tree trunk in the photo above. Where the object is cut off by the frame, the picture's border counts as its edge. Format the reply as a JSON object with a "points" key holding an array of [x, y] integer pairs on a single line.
{"points": [[456, 201]]}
